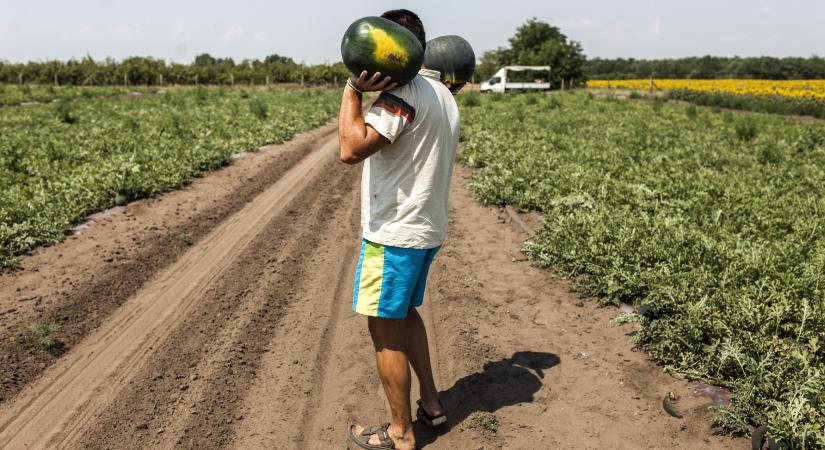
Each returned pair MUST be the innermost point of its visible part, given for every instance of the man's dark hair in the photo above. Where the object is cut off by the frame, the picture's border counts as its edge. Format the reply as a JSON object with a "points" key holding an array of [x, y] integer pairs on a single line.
{"points": [[408, 20]]}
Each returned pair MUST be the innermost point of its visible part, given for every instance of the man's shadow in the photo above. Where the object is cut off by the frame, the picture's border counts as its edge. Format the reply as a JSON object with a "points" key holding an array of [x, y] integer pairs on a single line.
{"points": [[500, 383]]}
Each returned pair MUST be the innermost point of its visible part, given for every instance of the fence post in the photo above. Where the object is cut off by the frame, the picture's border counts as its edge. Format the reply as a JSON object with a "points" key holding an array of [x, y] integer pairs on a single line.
{"points": [[196, 80], [56, 83], [651, 84], [20, 78], [562, 84], [302, 80], [232, 79], [267, 80], [125, 79]]}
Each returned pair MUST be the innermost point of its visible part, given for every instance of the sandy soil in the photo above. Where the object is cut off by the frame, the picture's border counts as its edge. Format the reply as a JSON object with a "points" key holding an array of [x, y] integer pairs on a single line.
{"points": [[219, 316]]}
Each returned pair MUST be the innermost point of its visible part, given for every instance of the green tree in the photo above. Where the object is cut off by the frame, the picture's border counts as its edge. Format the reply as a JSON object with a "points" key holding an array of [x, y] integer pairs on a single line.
{"points": [[276, 58], [537, 43]]}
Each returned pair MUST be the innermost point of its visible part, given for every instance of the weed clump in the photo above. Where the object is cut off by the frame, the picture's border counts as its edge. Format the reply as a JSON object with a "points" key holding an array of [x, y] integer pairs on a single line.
{"points": [[484, 420], [470, 100], [65, 112], [552, 103], [746, 129], [44, 333], [259, 108]]}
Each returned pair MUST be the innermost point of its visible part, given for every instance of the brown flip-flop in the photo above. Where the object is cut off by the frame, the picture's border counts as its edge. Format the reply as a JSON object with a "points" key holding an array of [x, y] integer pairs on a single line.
{"points": [[430, 421]]}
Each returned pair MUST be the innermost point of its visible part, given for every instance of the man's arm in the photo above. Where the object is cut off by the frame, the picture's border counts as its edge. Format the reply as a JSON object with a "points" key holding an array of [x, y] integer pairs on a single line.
{"points": [[359, 141]]}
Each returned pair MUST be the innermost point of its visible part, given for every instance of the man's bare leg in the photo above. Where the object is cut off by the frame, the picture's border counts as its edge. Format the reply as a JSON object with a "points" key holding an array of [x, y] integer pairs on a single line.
{"points": [[388, 336], [418, 352]]}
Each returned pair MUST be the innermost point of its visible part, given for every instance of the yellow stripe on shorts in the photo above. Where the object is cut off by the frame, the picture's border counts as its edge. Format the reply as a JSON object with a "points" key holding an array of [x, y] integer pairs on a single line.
{"points": [[372, 274]]}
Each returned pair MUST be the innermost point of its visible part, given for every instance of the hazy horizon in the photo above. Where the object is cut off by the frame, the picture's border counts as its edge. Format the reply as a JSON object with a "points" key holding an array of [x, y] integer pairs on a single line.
{"points": [[49, 30]]}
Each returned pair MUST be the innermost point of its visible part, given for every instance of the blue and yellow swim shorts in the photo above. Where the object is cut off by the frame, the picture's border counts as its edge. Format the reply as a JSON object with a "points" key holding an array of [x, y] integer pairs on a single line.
{"points": [[390, 280]]}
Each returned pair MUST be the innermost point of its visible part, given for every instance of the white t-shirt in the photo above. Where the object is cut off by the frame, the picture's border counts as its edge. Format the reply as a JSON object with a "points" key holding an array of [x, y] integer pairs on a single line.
{"points": [[404, 187]]}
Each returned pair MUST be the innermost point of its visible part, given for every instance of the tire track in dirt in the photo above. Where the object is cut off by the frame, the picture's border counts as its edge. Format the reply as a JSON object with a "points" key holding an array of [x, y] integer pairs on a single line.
{"points": [[303, 363], [81, 383], [80, 293]]}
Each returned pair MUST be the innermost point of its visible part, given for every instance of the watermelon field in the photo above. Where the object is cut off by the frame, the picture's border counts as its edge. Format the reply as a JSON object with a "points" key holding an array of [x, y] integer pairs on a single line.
{"points": [[709, 223], [20, 94], [63, 161], [705, 222]]}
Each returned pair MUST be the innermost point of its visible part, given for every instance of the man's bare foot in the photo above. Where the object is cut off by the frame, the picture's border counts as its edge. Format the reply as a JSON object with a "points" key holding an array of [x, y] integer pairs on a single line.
{"points": [[403, 437], [432, 407]]}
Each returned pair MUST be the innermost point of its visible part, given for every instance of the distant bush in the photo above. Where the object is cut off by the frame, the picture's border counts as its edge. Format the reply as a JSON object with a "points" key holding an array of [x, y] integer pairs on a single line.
{"points": [[746, 129], [259, 108], [65, 113], [469, 99]]}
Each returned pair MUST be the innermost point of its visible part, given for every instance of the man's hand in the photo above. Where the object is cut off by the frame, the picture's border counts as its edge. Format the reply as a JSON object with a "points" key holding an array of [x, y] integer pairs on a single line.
{"points": [[359, 141], [375, 83]]}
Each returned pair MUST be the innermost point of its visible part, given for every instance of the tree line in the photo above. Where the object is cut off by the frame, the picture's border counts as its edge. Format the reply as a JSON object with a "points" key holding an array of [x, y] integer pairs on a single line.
{"points": [[139, 70], [534, 43], [707, 67]]}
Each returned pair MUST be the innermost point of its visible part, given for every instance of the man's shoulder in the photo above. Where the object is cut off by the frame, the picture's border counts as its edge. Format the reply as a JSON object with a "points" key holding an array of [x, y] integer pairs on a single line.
{"points": [[419, 92], [409, 91]]}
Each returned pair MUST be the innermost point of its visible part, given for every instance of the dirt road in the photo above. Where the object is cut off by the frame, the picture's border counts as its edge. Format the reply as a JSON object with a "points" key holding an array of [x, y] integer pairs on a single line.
{"points": [[219, 316]]}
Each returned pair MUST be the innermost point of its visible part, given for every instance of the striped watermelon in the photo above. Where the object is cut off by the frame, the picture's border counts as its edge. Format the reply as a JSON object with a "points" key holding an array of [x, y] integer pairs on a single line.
{"points": [[376, 44], [453, 57]]}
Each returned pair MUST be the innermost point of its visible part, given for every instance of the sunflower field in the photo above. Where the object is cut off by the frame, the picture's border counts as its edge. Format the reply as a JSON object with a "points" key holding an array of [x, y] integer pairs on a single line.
{"points": [[811, 89]]}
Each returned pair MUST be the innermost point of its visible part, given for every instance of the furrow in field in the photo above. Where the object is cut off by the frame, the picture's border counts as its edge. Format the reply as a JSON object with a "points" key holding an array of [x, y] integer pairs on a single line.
{"points": [[189, 396], [314, 332]]}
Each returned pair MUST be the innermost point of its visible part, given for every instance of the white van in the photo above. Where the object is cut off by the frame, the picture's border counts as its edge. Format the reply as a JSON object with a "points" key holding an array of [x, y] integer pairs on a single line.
{"points": [[499, 82]]}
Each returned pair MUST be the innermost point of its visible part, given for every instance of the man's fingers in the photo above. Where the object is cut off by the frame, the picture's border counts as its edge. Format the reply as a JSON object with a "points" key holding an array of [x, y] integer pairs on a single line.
{"points": [[383, 84], [363, 77], [375, 77], [387, 84]]}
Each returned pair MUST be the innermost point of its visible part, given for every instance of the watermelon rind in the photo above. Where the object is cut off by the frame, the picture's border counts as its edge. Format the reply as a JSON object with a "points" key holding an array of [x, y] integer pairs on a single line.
{"points": [[453, 56], [376, 44]]}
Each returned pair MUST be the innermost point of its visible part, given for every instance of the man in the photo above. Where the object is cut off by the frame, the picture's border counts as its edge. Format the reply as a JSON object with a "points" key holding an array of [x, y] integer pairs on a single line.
{"points": [[407, 142]]}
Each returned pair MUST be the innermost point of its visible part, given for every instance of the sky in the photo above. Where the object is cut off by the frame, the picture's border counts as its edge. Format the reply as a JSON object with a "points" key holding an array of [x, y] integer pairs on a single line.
{"points": [[311, 31]]}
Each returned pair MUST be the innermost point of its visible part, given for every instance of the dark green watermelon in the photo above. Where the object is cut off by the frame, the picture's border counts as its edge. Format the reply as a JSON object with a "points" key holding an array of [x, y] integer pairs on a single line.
{"points": [[453, 57], [376, 44]]}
